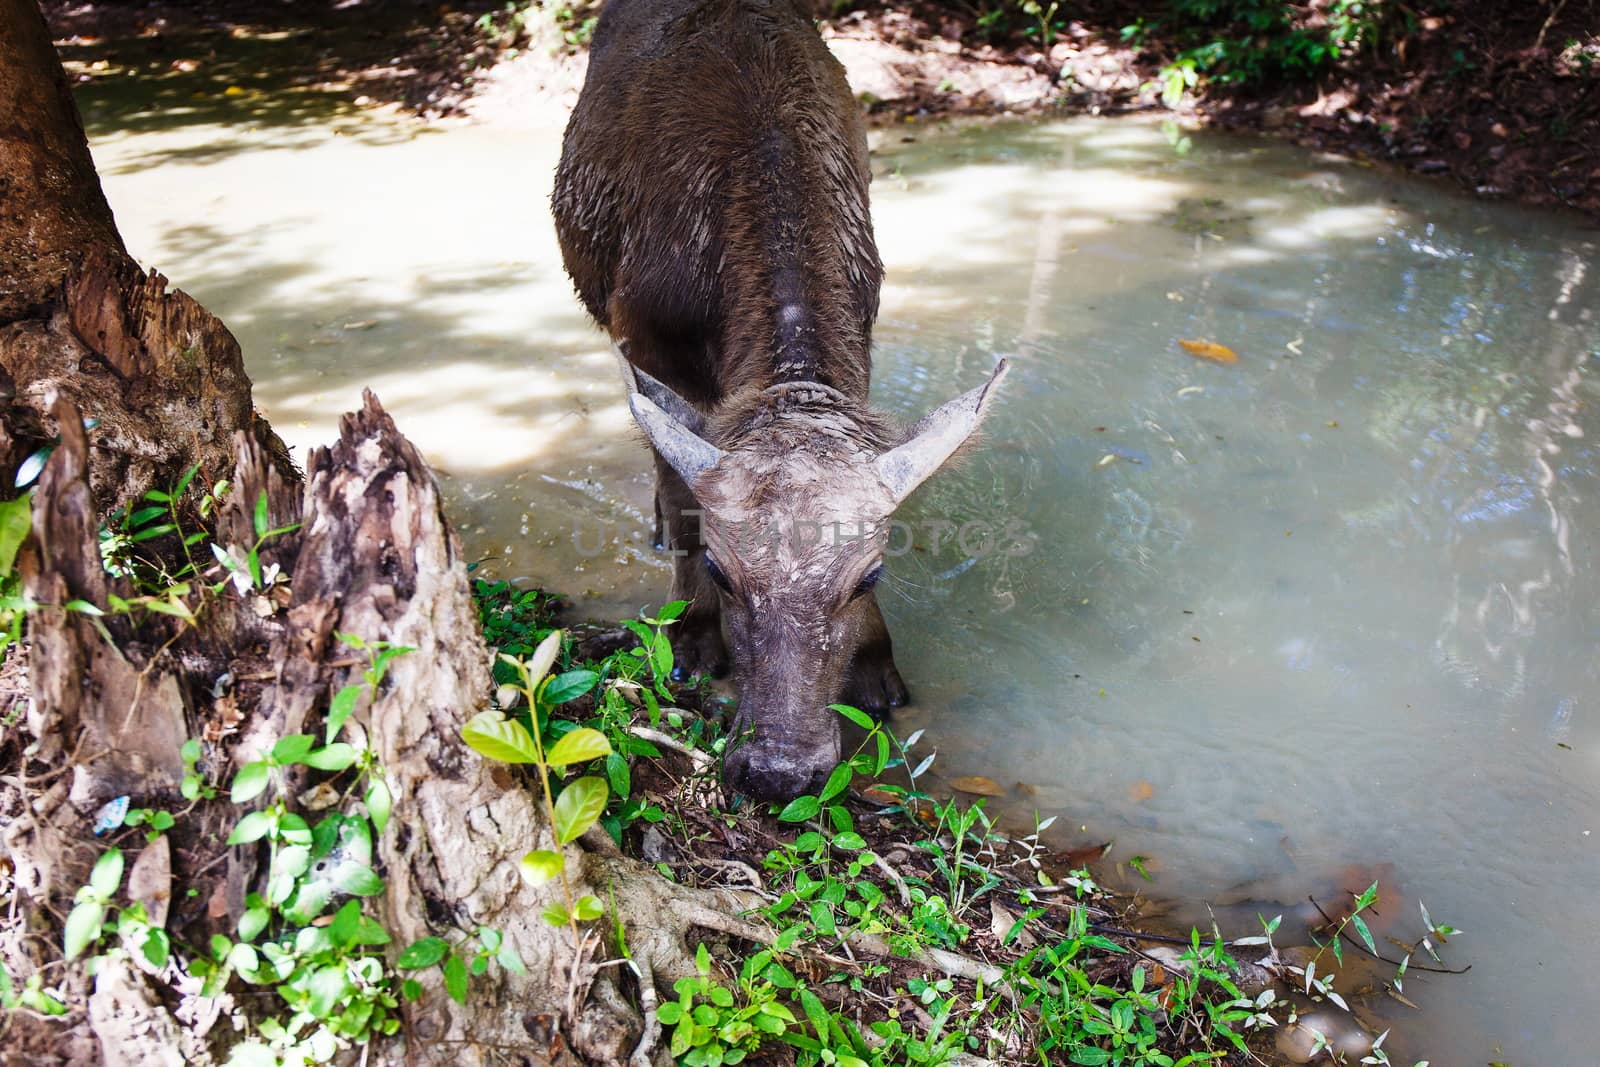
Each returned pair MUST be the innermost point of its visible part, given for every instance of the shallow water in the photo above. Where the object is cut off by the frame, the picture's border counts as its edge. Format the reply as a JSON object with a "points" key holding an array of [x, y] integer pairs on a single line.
{"points": [[1325, 614]]}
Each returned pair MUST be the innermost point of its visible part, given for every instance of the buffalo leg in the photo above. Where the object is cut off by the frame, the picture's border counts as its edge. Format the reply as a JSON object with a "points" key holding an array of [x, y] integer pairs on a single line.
{"points": [[873, 684]]}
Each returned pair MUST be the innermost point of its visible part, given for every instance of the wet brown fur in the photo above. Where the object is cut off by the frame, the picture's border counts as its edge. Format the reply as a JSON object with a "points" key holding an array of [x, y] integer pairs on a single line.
{"points": [[712, 208]]}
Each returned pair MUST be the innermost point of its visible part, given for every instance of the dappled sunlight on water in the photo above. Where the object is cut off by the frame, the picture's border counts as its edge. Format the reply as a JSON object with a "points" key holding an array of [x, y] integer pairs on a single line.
{"points": [[1324, 613]]}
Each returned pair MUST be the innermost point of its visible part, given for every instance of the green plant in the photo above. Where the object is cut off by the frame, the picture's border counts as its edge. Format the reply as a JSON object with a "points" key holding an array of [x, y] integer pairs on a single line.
{"points": [[711, 1025], [330, 972], [1249, 42], [32, 995], [16, 521], [158, 821], [244, 564], [580, 803]]}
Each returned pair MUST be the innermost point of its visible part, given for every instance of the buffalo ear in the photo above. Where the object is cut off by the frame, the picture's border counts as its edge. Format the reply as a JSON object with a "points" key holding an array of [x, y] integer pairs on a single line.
{"points": [[935, 438], [684, 450]]}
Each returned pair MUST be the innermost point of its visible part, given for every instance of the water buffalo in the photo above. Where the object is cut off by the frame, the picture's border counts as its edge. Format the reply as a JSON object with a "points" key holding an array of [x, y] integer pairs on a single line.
{"points": [[711, 204]]}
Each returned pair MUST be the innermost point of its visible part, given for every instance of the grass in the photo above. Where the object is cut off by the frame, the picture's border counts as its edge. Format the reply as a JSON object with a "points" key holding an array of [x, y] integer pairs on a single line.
{"points": [[906, 929]]}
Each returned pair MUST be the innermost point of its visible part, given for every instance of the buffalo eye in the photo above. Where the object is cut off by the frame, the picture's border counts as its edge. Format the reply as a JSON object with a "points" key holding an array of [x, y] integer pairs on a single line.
{"points": [[717, 575], [869, 580]]}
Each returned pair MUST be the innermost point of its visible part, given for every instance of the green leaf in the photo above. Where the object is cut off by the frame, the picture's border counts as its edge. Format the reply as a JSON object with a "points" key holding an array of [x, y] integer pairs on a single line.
{"points": [[1090, 1056], [183, 483], [423, 953], [370, 932], [800, 809], [358, 880], [578, 746], [262, 522], [253, 827], [541, 865], [618, 774], [107, 874], [252, 922], [455, 979], [411, 989], [16, 520], [1366, 935], [556, 914], [380, 802], [292, 749], [328, 985], [579, 805], [249, 782], [850, 840], [670, 1013], [671, 611], [855, 715], [544, 657], [589, 908], [493, 735], [569, 686], [29, 470], [335, 757], [340, 709], [380, 662], [83, 926], [838, 781], [509, 958], [346, 923], [293, 829], [157, 947]]}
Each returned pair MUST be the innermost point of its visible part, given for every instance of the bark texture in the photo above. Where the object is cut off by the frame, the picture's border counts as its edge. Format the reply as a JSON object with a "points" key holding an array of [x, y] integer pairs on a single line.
{"points": [[131, 385]]}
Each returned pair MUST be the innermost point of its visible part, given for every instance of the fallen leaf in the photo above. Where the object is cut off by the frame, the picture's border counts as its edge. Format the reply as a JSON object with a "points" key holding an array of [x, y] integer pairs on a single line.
{"points": [[1141, 791], [150, 882], [364, 324], [986, 787], [1210, 350], [1083, 855], [217, 903]]}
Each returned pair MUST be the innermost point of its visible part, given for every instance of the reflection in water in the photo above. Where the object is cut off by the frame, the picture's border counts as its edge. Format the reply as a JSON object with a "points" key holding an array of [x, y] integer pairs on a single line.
{"points": [[1334, 603]]}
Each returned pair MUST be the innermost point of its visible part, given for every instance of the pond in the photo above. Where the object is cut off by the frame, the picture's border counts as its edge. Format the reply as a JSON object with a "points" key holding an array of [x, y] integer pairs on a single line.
{"points": [[1276, 627]]}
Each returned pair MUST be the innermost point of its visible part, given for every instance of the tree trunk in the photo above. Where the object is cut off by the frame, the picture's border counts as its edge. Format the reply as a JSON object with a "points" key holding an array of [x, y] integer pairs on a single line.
{"points": [[132, 386]]}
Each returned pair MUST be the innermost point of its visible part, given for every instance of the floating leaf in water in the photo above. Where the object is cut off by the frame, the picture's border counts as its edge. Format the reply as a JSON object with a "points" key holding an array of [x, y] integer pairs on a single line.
{"points": [[977, 783], [1210, 350], [1141, 791]]}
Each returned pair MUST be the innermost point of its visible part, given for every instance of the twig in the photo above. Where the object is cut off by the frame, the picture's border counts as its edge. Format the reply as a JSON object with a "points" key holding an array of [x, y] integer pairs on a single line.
{"points": [[893, 876], [701, 760], [647, 1007], [267, 676], [1393, 963], [740, 866], [1555, 13]]}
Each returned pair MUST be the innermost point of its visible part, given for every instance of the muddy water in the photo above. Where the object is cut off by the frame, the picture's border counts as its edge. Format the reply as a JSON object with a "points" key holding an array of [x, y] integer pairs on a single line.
{"points": [[1282, 626]]}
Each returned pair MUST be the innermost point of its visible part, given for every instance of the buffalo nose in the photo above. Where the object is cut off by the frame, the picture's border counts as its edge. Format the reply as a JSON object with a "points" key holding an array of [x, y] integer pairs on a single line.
{"points": [[768, 772]]}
